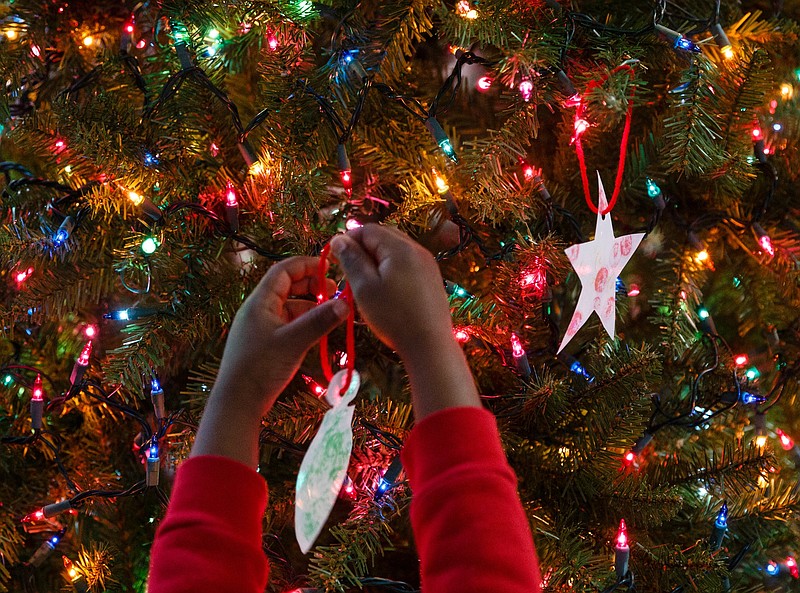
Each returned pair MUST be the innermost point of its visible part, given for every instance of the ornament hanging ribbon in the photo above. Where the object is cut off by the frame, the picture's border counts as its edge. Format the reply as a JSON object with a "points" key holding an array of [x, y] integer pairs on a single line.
{"points": [[324, 466], [598, 262], [580, 126]]}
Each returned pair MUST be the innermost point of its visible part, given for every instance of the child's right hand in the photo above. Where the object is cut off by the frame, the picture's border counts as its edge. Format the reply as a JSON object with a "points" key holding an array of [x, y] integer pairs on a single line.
{"points": [[398, 287]]}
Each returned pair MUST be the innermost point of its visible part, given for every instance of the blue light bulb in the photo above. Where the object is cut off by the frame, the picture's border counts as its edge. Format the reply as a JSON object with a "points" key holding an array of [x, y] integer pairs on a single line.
{"points": [[383, 486], [152, 452], [155, 386], [722, 517], [686, 45], [60, 237], [751, 398], [772, 568]]}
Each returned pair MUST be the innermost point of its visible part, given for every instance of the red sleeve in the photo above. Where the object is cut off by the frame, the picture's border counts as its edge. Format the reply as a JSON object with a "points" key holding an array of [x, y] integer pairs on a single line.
{"points": [[471, 531], [210, 540]]}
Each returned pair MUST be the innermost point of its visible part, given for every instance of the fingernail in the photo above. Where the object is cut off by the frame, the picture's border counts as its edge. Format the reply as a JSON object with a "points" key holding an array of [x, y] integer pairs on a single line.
{"points": [[340, 308]]}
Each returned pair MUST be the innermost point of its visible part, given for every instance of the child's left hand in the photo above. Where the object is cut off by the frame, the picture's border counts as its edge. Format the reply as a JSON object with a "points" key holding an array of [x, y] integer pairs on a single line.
{"points": [[272, 333]]}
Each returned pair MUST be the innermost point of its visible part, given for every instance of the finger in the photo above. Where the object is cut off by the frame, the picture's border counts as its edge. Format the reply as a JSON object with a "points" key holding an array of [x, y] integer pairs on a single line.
{"points": [[359, 267], [291, 277], [381, 242], [294, 308], [305, 331]]}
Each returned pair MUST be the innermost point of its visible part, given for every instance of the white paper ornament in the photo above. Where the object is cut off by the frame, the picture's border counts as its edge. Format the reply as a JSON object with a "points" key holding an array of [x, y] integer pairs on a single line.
{"points": [[324, 466], [598, 263]]}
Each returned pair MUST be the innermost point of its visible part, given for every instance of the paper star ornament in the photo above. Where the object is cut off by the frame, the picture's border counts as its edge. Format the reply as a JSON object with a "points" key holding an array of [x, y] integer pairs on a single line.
{"points": [[598, 263]]}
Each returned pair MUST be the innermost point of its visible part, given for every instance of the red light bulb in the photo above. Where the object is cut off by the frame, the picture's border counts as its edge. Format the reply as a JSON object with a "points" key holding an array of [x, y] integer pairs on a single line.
{"points": [[347, 181], [461, 334], [23, 275], [83, 359], [629, 457], [34, 516], [757, 134], [38, 390], [622, 535], [786, 441], [230, 196], [90, 331], [516, 346], [741, 360], [791, 564], [272, 42], [129, 28]]}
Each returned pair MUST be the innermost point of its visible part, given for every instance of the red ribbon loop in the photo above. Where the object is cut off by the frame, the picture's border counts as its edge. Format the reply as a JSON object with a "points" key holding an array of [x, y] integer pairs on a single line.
{"points": [[322, 271], [623, 150]]}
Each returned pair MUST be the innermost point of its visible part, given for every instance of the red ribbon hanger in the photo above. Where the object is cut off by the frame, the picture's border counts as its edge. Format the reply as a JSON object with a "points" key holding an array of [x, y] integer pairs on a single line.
{"points": [[580, 126], [322, 271]]}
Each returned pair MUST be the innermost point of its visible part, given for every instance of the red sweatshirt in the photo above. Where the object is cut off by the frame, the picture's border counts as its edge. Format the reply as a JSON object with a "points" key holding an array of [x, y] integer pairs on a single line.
{"points": [[470, 528]]}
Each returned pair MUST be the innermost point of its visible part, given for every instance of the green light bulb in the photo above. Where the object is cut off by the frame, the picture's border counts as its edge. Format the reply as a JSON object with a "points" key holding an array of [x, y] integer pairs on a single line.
{"points": [[8, 380], [652, 188], [752, 374], [213, 34], [305, 8], [703, 313], [149, 245]]}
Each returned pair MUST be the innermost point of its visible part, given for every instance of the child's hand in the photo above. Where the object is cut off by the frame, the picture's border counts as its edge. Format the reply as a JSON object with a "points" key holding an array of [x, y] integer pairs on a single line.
{"points": [[398, 288], [272, 333], [400, 293]]}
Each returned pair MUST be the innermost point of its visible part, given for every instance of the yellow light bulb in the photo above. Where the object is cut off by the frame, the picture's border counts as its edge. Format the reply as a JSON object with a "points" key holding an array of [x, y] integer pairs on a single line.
{"points": [[441, 184], [135, 198], [761, 441], [787, 90], [88, 40], [702, 256], [11, 34], [727, 51], [256, 168]]}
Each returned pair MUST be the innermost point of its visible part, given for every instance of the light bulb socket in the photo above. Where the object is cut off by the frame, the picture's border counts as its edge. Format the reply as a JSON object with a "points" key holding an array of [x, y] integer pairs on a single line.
{"points": [[157, 397], [641, 443], [51, 510], [719, 35], [717, 535], [153, 470], [247, 152], [151, 209], [671, 35], [566, 84], [232, 216], [622, 558], [37, 410], [342, 160]]}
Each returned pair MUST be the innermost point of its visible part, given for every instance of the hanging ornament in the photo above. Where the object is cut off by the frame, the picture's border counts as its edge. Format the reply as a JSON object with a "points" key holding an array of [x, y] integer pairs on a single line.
{"points": [[598, 263], [324, 466]]}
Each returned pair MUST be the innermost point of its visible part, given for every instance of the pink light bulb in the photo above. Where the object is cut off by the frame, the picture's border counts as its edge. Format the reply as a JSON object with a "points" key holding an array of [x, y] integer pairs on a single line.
{"points": [[484, 83]]}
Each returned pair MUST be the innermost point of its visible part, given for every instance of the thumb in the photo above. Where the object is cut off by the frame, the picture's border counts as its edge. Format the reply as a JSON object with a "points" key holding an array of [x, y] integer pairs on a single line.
{"points": [[358, 265], [306, 330]]}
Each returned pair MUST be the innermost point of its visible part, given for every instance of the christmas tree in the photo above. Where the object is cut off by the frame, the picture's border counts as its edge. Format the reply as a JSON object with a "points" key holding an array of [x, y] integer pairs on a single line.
{"points": [[159, 156]]}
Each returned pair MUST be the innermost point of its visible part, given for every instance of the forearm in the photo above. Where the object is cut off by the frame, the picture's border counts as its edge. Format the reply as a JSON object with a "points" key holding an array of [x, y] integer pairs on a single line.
{"points": [[440, 378], [230, 427]]}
